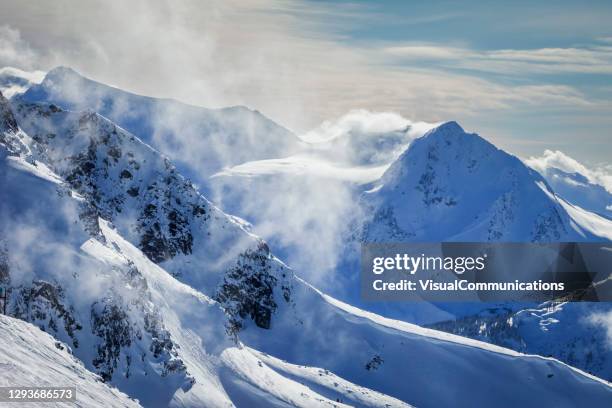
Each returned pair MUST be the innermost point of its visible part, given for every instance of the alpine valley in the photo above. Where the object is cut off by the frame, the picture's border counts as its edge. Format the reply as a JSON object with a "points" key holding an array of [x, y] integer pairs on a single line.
{"points": [[126, 281]]}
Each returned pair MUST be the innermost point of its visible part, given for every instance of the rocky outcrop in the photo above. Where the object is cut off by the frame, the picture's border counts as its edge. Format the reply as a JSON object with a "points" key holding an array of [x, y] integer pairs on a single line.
{"points": [[248, 290]]}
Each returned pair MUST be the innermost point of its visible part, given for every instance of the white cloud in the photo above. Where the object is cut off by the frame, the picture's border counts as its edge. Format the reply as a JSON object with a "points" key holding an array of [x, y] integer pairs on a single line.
{"points": [[361, 121], [14, 51], [305, 166], [364, 138], [286, 58], [14, 81], [556, 159]]}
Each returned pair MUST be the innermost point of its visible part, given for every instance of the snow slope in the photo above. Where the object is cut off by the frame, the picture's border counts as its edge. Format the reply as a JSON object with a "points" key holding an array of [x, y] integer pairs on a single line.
{"points": [[562, 330], [574, 182], [241, 328], [31, 358], [577, 189]]}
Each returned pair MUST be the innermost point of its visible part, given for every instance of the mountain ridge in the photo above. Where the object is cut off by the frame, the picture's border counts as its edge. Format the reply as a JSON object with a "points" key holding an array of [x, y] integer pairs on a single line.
{"points": [[215, 138]]}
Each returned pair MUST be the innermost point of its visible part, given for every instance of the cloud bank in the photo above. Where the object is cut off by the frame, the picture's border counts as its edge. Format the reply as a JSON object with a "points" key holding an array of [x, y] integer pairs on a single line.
{"points": [[555, 159], [290, 59]]}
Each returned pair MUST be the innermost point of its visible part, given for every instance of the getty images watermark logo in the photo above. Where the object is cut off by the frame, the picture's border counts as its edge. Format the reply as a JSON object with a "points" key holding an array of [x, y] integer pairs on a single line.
{"points": [[486, 272], [412, 264]]}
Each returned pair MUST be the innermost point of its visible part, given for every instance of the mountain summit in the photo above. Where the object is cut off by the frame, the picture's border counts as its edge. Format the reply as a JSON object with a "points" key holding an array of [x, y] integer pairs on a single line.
{"points": [[450, 185]]}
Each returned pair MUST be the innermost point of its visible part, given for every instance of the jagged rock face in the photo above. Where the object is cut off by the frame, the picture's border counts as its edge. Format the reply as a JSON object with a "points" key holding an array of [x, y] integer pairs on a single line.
{"points": [[115, 173], [128, 333], [248, 290], [5, 278], [117, 333], [142, 193], [110, 324], [451, 185], [45, 305], [7, 120]]}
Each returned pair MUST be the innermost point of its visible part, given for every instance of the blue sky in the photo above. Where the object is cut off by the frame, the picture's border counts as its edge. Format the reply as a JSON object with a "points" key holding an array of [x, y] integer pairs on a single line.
{"points": [[467, 38], [527, 75]]}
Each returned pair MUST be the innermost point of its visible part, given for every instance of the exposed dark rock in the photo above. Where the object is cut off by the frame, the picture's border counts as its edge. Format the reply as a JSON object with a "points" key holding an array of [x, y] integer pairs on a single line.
{"points": [[110, 323], [43, 304], [374, 363], [247, 291]]}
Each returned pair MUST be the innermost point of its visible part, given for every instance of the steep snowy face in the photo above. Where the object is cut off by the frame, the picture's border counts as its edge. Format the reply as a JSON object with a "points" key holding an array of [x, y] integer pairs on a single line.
{"points": [[30, 356], [201, 140], [53, 264], [125, 181], [453, 185]]}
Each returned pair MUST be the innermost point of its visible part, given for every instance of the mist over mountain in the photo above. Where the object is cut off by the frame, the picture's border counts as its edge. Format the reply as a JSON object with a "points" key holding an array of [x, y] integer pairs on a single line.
{"points": [[450, 185], [586, 186], [206, 139], [110, 249], [15, 81]]}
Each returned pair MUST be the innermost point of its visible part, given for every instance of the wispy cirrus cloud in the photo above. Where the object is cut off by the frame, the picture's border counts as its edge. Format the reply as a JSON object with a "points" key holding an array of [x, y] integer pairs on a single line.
{"points": [[591, 59]]}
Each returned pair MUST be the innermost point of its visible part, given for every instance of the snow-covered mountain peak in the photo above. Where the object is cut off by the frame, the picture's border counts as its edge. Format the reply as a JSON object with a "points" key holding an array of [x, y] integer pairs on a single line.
{"points": [[454, 185], [446, 155], [448, 127]]}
